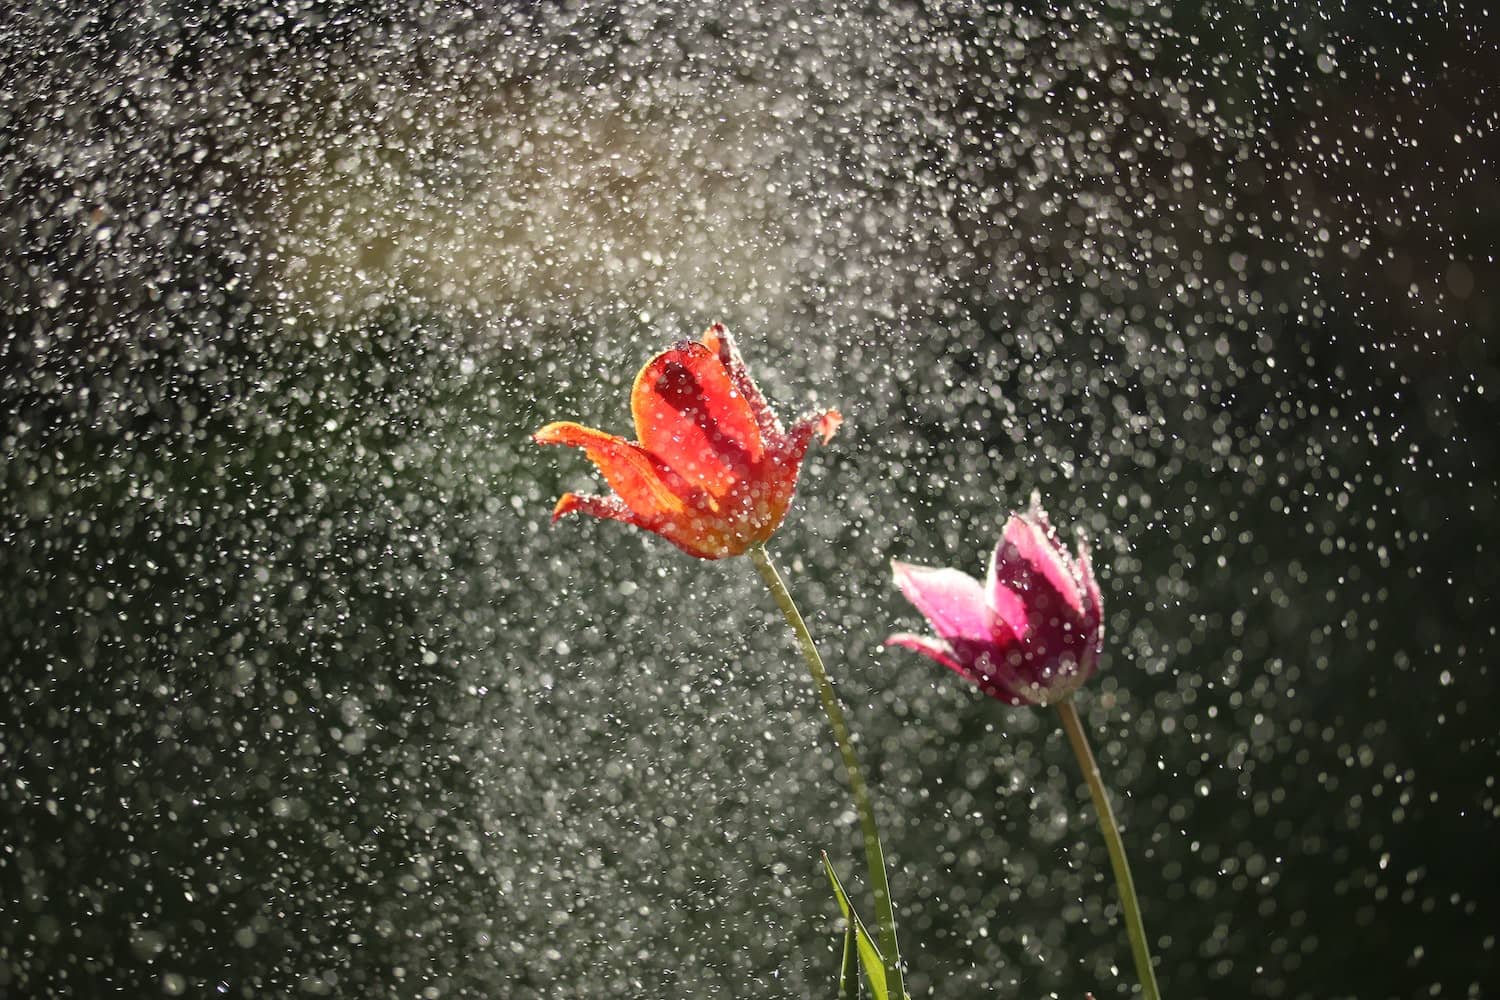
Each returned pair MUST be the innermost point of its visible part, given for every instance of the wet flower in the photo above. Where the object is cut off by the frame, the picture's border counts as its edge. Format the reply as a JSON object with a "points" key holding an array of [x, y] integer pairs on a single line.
{"points": [[713, 472], [1031, 633]]}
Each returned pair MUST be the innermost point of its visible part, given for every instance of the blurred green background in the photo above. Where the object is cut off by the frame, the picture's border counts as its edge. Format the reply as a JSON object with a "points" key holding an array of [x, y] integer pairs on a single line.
{"points": [[301, 695]]}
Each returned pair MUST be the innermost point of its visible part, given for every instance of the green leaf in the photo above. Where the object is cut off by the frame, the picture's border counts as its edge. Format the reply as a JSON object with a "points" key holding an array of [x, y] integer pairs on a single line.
{"points": [[849, 970], [869, 954]]}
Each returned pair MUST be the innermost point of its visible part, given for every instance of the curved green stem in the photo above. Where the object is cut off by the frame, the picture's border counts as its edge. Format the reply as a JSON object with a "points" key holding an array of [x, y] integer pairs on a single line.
{"points": [[1133, 925], [885, 910]]}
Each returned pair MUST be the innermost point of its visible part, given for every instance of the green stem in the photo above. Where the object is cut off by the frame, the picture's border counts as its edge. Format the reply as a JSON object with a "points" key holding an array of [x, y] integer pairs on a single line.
{"points": [[1133, 925], [874, 855]]}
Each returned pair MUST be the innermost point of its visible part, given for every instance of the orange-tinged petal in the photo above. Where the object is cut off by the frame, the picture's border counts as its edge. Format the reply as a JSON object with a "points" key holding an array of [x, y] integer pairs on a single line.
{"points": [[609, 508], [689, 414], [795, 446], [826, 424], [770, 491], [682, 531], [718, 340], [645, 487]]}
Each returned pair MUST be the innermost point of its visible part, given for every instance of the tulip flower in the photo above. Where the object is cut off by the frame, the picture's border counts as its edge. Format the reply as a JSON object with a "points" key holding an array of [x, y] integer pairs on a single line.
{"points": [[1029, 635], [712, 472]]}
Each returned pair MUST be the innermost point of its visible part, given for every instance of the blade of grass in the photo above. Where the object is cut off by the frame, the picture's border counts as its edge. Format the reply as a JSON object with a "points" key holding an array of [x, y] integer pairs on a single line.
{"points": [[849, 968], [869, 954]]}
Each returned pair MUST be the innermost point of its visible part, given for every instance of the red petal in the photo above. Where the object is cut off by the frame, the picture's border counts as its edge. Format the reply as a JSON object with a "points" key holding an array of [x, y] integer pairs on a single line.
{"points": [[609, 508], [795, 448], [646, 488], [689, 415], [717, 339], [777, 479], [673, 529]]}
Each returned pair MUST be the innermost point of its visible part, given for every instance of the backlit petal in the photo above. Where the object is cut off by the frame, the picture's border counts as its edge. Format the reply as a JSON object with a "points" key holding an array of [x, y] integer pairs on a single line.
{"points": [[718, 340], [1009, 607], [953, 601], [794, 445], [676, 529], [822, 424], [608, 508], [1046, 615], [689, 414], [645, 487], [955, 660], [1026, 564], [932, 648]]}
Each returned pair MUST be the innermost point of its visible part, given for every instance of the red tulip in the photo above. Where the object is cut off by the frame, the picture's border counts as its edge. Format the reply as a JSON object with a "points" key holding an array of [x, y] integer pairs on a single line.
{"points": [[1031, 633], [713, 472]]}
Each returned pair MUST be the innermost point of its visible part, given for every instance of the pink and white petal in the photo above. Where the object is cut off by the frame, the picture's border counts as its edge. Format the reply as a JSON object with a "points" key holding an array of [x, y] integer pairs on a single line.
{"points": [[1008, 606], [932, 648], [944, 653], [952, 600], [1027, 550], [1036, 514]]}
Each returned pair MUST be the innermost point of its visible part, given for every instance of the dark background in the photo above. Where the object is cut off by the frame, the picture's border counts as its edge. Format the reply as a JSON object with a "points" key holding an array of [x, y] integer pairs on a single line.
{"points": [[301, 696]]}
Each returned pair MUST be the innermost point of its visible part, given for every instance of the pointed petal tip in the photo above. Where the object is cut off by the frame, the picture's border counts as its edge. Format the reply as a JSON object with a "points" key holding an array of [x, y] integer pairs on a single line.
{"points": [[1017, 522], [717, 339], [823, 425], [565, 432], [925, 644], [829, 423], [901, 570], [566, 504], [938, 650]]}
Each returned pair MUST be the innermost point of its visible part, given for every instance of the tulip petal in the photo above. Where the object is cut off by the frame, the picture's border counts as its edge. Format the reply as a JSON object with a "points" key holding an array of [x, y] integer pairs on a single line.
{"points": [[943, 652], [674, 530], [952, 600], [689, 414], [607, 508], [788, 458], [644, 486], [718, 340], [1009, 607], [824, 425], [932, 648], [1028, 557]]}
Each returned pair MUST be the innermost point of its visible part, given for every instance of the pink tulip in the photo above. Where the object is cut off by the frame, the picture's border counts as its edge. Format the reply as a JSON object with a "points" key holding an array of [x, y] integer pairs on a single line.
{"points": [[1031, 633]]}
